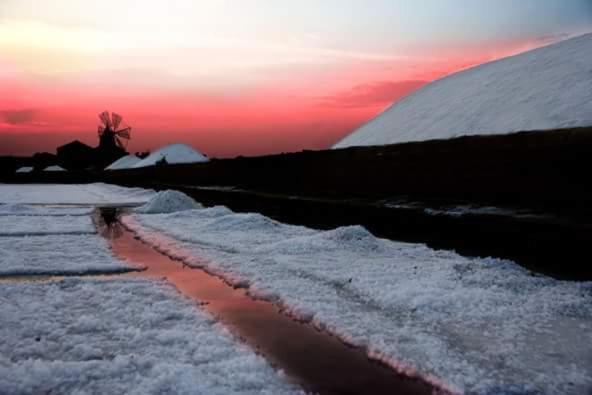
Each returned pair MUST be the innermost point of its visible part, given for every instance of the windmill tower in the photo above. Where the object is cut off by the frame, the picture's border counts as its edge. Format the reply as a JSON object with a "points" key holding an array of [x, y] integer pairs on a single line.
{"points": [[114, 136], [111, 137]]}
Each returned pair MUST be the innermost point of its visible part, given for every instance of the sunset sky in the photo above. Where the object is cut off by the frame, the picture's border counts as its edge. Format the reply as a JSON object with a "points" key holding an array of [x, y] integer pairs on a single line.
{"points": [[243, 76]]}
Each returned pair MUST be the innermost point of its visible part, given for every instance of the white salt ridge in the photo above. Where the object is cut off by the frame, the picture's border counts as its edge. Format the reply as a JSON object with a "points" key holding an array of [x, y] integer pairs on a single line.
{"points": [[54, 169], [476, 325], [173, 154], [57, 254], [546, 88], [24, 169], [121, 337], [87, 194], [125, 162], [26, 210], [167, 202], [31, 243], [19, 225]]}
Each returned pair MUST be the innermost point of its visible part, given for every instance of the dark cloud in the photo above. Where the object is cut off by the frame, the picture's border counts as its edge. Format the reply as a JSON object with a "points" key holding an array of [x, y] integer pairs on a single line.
{"points": [[373, 94], [16, 117]]}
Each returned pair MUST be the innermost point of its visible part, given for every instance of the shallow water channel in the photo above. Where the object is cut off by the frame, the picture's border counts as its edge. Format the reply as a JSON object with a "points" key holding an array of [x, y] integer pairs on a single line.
{"points": [[314, 359]]}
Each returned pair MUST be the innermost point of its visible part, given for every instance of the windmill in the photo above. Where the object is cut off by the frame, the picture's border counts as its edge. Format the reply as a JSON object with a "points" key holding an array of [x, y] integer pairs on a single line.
{"points": [[113, 133]]}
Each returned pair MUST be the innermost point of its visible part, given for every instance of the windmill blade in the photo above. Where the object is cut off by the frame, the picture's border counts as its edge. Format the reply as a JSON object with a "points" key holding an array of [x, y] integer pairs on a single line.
{"points": [[119, 143], [116, 119], [101, 130], [104, 117], [124, 133]]}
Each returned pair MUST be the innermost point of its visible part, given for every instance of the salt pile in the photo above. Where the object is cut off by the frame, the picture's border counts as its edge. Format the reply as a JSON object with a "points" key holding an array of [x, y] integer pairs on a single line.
{"points": [[544, 89], [124, 163], [54, 168], [168, 202], [24, 169], [172, 154]]}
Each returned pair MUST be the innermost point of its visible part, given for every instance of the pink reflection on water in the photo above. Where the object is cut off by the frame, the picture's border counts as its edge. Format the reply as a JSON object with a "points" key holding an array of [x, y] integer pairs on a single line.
{"points": [[315, 360]]}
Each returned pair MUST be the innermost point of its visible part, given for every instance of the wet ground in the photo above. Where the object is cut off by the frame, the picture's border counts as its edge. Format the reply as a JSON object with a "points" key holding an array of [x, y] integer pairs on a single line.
{"points": [[317, 361]]}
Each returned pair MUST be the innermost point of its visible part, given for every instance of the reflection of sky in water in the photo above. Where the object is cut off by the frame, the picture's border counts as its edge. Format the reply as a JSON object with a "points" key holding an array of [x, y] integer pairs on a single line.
{"points": [[316, 360]]}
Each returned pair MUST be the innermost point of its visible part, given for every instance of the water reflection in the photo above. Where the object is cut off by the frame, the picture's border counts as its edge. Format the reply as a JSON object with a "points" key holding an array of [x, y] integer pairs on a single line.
{"points": [[317, 361], [108, 223]]}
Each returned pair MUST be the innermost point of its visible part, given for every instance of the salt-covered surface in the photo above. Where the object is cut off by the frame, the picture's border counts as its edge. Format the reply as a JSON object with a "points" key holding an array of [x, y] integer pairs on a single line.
{"points": [[33, 243], [120, 336], [24, 169], [125, 162], [24, 209], [167, 202], [57, 254], [173, 154], [92, 194], [54, 168], [478, 325], [547, 88], [44, 225]]}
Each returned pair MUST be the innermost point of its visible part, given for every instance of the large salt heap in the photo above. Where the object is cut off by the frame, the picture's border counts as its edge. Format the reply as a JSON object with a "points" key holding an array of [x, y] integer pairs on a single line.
{"points": [[125, 162], [54, 168], [172, 154], [543, 89]]}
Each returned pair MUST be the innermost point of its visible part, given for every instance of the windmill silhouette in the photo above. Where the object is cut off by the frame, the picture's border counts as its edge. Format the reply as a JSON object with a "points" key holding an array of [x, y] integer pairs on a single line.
{"points": [[114, 136], [110, 135]]}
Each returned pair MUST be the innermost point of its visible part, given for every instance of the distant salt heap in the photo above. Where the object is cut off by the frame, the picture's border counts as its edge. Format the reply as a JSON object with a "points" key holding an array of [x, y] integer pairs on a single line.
{"points": [[168, 202], [172, 154], [24, 169], [126, 162], [54, 168]]}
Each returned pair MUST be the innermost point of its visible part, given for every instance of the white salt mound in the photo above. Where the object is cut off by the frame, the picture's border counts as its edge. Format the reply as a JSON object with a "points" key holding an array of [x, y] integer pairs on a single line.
{"points": [[54, 168], [172, 154], [168, 201], [24, 169], [543, 89], [124, 163]]}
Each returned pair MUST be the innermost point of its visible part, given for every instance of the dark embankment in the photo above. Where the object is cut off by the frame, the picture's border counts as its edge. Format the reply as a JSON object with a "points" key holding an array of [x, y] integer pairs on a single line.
{"points": [[542, 169], [542, 176]]}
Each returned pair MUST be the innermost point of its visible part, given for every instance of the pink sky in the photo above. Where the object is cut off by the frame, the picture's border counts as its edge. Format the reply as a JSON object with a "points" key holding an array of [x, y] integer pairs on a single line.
{"points": [[227, 88]]}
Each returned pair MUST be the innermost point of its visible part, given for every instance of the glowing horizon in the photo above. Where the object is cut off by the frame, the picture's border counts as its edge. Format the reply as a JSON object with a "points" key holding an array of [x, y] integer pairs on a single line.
{"points": [[250, 78]]}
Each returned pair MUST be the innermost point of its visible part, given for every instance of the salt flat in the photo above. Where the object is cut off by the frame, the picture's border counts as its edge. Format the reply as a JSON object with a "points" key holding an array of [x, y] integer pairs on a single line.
{"points": [[57, 254], [120, 336], [475, 325], [29, 210], [13, 225], [107, 335], [91, 194]]}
